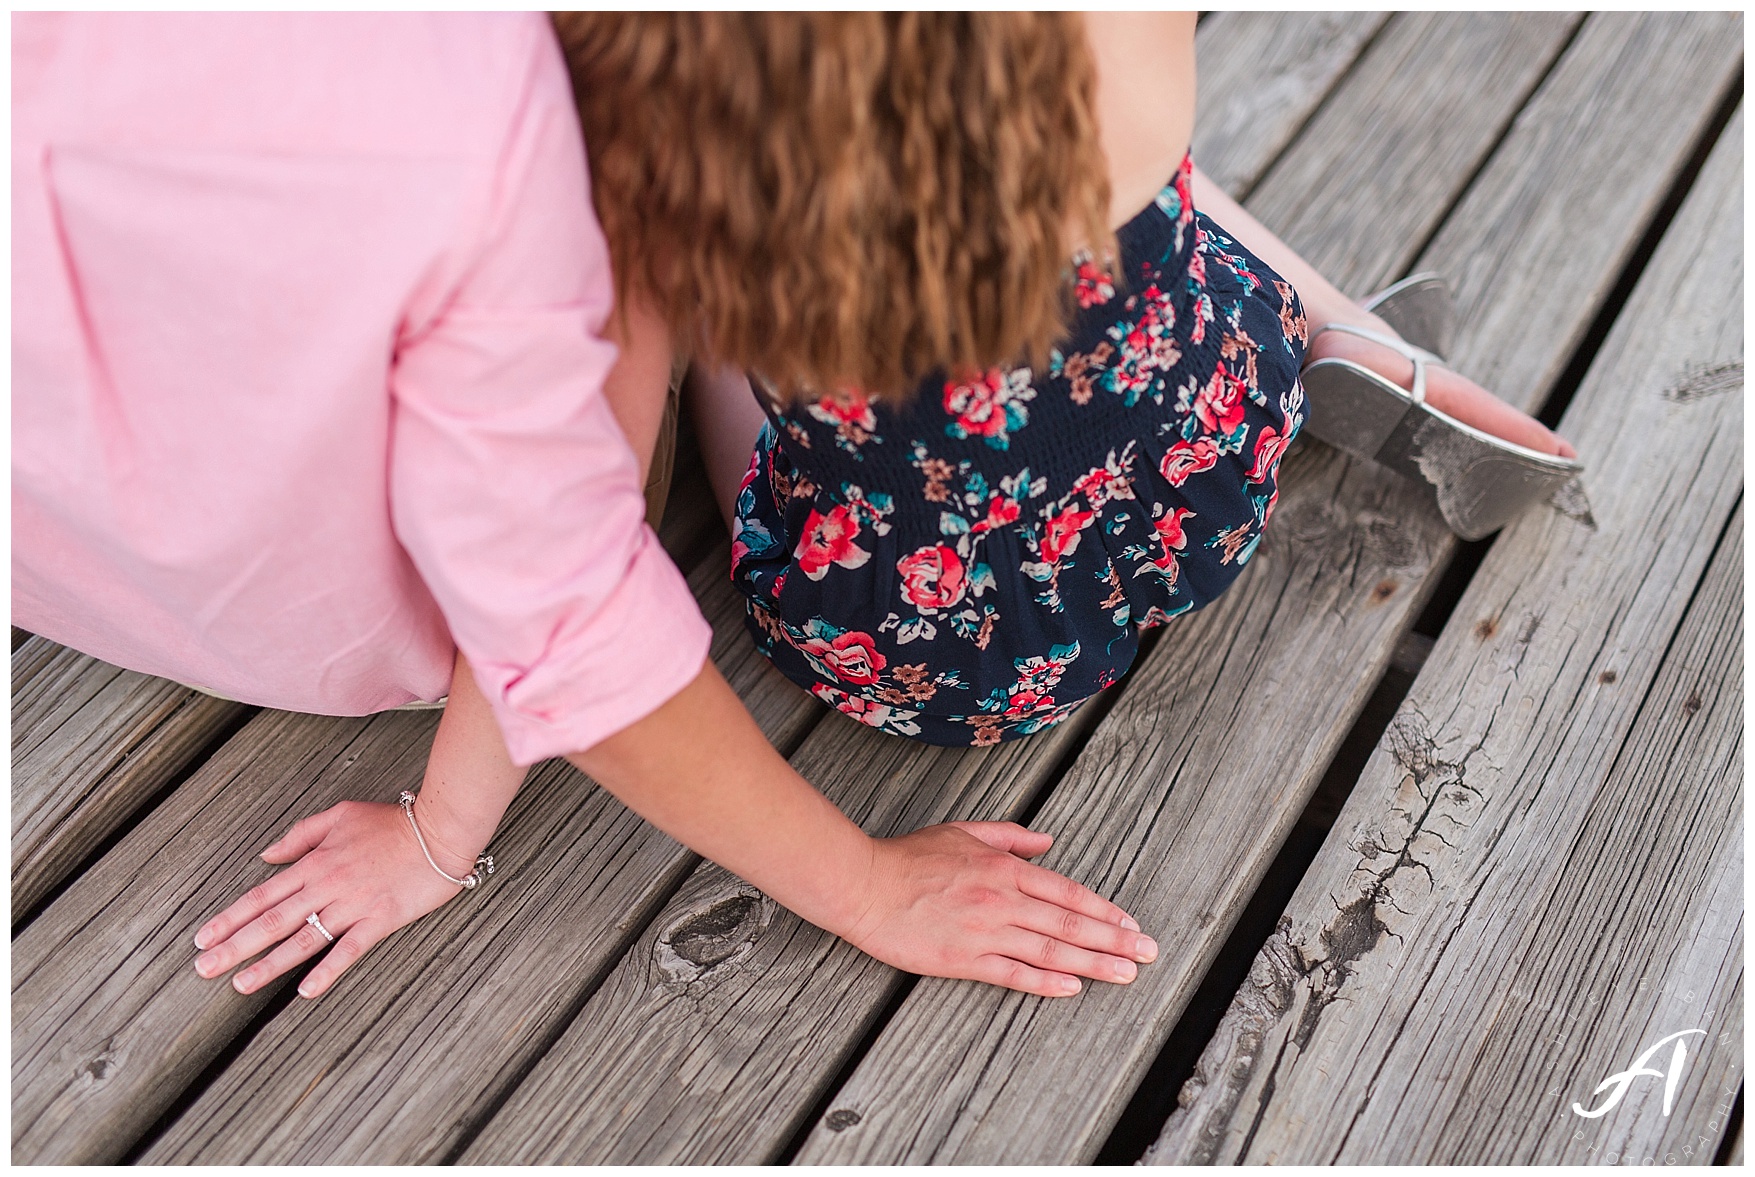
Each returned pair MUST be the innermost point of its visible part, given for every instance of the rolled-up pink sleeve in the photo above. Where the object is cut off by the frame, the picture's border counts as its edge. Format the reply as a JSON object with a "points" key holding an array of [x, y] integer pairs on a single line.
{"points": [[512, 487]]}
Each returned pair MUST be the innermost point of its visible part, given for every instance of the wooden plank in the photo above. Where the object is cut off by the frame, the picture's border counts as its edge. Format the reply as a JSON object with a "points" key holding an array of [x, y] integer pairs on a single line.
{"points": [[1375, 191], [1539, 235], [1540, 870], [91, 744], [1633, 933], [459, 1004], [1171, 810], [1261, 75], [109, 1020], [722, 1024], [1209, 795]]}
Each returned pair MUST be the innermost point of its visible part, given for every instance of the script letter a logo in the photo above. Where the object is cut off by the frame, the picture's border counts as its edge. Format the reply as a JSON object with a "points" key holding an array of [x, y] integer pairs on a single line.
{"points": [[1622, 1080]]}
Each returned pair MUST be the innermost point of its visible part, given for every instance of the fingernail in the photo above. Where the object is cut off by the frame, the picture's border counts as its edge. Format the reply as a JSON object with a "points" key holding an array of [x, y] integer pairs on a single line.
{"points": [[243, 982], [1126, 970], [201, 938], [306, 987], [204, 966], [1069, 984], [1127, 922], [1146, 949]]}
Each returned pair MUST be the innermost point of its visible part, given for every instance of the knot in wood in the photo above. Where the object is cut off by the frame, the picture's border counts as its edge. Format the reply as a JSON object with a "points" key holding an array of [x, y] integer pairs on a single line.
{"points": [[1354, 931], [841, 1119], [708, 942], [95, 1069]]}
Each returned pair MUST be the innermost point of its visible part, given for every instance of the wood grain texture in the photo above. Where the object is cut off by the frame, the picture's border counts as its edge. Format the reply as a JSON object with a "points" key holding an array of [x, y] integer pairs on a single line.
{"points": [[109, 1020], [1210, 801], [1377, 167], [1260, 76], [433, 1027], [1172, 810], [91, 744], [717, 1032], [1613, 107], [1540, 870]]}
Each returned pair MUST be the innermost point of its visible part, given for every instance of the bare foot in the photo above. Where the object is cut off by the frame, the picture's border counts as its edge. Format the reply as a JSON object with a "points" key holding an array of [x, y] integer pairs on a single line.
{"points": [[1446, 391]]}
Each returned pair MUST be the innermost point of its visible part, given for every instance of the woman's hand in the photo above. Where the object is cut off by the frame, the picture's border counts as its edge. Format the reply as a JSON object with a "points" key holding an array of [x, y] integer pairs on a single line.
{"points": [[358, 867], [954, 900], [958, 900]]}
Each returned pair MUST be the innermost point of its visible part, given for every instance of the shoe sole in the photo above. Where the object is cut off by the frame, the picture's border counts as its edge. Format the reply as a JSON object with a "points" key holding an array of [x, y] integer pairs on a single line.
{"points": [[1479, 482]]}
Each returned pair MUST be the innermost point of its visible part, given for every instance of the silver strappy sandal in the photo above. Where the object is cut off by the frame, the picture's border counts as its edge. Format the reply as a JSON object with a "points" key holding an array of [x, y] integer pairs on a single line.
{"points": [[1479, 482], [1418, 308]]}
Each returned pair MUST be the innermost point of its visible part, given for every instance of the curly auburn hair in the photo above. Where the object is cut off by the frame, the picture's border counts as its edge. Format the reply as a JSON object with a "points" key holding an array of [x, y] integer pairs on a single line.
{"points": [[845, 199]]}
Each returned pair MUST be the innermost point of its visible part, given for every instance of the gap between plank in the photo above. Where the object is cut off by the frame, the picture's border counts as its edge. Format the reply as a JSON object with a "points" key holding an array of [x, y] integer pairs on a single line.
{"points": [[1242, 196], [1459, 570], [1462, 192], [1572, 376], [1091, 716], [809, 1121], [1150, 1107], [633, 930], [1143, 1120], [219, 739], [285, 996], [1733, 1129]]}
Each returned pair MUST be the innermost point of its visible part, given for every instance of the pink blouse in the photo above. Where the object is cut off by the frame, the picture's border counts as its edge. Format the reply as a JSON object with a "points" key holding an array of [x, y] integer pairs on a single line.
{"points": [[305, 371]]}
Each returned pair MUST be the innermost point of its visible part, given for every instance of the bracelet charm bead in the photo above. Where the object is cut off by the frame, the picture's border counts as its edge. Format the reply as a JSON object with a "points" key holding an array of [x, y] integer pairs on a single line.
{"points": [[484, 863]]}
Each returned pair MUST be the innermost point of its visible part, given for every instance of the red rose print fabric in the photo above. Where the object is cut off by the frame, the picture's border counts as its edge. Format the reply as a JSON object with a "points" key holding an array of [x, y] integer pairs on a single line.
{"points": [[968, 565]]}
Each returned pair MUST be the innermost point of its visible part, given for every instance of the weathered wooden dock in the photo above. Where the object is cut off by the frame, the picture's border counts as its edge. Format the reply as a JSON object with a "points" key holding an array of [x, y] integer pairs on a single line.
{"points": [[1436, 837]]}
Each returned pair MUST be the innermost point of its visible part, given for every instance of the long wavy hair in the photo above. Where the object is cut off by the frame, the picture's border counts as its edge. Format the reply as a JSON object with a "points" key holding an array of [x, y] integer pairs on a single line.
{"points": [[845, 200]]}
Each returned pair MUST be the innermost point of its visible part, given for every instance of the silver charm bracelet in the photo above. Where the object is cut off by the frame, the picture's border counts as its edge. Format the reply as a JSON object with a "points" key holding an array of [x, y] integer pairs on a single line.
{"points": [[484, 863]]}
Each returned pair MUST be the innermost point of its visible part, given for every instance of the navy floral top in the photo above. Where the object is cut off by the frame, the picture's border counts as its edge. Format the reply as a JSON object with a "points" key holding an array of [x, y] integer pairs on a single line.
{"points": [[972, 564]]}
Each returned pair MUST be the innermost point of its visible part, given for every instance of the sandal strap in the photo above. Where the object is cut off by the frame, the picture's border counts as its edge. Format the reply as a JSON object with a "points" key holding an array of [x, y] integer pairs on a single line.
{"points": [[1418, 356]]}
